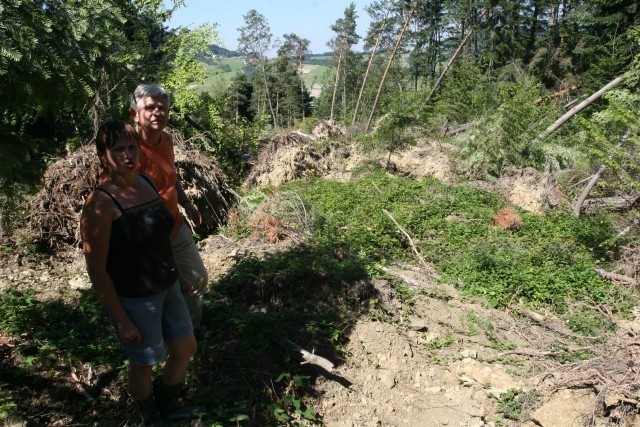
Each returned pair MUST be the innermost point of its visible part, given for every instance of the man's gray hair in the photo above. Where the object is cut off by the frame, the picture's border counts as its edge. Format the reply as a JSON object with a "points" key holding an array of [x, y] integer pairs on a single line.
{"points": [[153, 91]]}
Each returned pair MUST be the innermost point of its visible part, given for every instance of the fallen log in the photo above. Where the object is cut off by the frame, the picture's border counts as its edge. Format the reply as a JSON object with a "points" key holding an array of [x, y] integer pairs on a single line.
{"points": [[459, 129], [575, 110], [614, 277], [616, 203]]}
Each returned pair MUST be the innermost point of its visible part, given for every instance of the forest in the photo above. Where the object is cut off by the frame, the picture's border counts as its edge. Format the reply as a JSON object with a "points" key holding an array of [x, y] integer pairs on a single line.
{"points": [[493, 90]]}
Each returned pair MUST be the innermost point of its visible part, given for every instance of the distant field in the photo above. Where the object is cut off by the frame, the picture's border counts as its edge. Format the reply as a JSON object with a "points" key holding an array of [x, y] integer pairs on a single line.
{"points": [[222, 72], [219, 74]]}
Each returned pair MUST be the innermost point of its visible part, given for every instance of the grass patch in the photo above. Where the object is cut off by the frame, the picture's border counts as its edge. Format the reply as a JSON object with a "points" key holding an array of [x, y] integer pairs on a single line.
{"points": [[548, 262]]}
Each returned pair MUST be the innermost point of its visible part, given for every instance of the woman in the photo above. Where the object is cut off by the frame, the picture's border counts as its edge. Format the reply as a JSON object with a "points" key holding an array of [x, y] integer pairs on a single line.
{"points": [[125, 231]]}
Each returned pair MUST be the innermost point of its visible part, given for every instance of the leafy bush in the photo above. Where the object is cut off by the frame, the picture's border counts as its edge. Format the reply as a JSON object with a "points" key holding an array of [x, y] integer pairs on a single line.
{"points": [[504, 137], [550, 260]]}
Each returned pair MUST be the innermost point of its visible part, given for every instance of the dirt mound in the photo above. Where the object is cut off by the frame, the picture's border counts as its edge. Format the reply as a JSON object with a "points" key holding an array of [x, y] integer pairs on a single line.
{"points": [[426, 158], [327, 129], [294, 155], [55, 215], [528, 189], [57, 208], [531, 190]]}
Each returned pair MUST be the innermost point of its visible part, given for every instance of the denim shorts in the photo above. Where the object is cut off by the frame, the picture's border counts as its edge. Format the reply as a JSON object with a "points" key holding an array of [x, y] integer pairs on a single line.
{"points": [[160, 318]]}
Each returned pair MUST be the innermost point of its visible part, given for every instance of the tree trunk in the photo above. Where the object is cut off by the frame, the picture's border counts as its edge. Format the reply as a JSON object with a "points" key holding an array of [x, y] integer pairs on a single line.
{"points": [[386, 71], [617, 203], [268, 95], [575, 110], [344, 94], [453, 58], [301, 84], [577, 205], [366, 74], [335, 87]]}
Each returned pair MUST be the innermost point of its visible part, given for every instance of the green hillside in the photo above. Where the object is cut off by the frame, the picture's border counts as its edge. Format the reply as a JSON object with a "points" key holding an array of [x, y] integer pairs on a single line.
{"points": [[220, 72]]}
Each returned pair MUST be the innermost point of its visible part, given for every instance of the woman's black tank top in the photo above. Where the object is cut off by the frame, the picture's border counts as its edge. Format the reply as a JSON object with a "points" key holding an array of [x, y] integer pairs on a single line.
{"points": [[140, 260]]}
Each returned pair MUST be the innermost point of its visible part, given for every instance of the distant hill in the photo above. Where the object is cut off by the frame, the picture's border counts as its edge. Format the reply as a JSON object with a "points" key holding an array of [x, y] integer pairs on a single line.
{"points": [[318, 59], [226, 53]]}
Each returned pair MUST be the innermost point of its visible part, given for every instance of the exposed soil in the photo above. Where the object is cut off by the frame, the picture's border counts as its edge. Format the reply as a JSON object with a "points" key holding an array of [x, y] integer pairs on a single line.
{"points": [[443, 360], [437, 359]]}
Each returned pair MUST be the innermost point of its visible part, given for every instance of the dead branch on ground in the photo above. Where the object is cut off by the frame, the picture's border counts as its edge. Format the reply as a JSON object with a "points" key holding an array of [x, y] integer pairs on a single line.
{"points": [[409, 239], [620, 278]]}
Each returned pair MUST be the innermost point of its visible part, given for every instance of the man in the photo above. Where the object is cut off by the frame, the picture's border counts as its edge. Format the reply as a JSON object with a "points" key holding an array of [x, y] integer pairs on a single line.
{"points": [[150, 111]]}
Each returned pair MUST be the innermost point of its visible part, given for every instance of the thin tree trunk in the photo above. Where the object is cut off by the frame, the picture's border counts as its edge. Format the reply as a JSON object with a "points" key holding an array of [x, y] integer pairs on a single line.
{"points": [[344, 94], [266, 88], [575, 110], [335, 87], [301, 83], [386, 71], [453, 58], [577, 205], [366, 74]]}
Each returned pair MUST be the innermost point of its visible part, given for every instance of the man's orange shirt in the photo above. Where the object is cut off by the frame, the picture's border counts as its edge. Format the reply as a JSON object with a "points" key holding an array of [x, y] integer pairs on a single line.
{"points": [[157, 161]]}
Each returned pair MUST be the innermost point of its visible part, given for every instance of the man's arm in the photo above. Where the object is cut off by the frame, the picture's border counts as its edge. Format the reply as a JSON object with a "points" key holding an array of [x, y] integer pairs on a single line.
{"points": [[190, 209]]}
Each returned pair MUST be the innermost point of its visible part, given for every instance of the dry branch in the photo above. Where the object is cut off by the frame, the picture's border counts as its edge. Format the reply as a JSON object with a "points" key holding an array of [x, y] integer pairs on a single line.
{"points": [[629, 227], [408, 237], [460, 129], [312, 358], [542, 320], [617, 277]]}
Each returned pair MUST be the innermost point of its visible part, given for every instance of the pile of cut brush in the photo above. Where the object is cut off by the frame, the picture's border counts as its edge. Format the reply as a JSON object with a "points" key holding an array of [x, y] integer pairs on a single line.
{"points": [[56, 211]]}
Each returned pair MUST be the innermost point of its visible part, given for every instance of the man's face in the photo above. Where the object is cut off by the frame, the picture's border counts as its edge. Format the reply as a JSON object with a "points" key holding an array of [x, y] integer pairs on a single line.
{"points": [[152, 114]]}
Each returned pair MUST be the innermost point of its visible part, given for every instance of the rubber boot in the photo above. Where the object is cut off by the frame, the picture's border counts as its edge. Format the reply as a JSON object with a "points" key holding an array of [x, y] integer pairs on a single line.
{"points": [[148, 411], [171, 405]]}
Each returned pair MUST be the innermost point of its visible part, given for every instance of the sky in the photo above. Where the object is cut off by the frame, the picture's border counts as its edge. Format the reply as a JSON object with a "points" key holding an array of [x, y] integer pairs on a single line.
{"points": [[310, 19]]}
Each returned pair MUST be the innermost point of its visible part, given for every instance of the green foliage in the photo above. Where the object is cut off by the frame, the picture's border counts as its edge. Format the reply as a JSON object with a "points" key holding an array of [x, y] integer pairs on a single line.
{"points": [[187, 45], [393, 131], [66, 66], [440, 343], [7, 404], [611, 137], [466, 96], [549, 261], [511, 403], [80, 335], [504, 137]]}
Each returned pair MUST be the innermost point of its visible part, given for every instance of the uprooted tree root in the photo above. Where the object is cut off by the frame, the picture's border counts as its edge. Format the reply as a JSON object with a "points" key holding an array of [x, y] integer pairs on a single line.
{"points": [[614, 375], [610, 368], [56, 211], [294, 155]]}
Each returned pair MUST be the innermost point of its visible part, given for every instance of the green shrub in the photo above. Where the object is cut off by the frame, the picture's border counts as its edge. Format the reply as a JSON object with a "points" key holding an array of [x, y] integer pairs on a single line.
{"points": [[549, 261]]}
